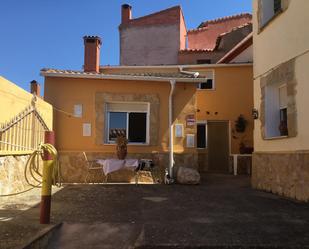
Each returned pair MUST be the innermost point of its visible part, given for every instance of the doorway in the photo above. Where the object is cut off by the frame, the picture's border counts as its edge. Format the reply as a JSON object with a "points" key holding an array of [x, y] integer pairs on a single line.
{"points": [[218, 146]]}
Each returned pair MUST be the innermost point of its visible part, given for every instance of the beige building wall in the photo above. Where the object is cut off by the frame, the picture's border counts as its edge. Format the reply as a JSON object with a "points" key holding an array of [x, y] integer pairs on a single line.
{"points": [[283, 39], [281, 55]]}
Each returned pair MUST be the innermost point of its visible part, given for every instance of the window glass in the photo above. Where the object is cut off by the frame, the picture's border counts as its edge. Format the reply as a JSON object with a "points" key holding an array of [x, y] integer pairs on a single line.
{"points": [[283, 96], [206, 85], [276, 122], [268, 9], [201, 136], [117, 125], [203, 61], [283, 127], [128, 119], [137, 127], [277, 6]]}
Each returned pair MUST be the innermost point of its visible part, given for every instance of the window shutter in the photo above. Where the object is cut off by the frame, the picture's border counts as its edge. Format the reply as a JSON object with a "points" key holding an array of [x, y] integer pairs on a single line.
{"points": [[127, 107]]}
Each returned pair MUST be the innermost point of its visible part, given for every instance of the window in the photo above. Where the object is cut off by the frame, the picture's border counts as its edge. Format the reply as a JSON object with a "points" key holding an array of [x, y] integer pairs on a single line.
{"points": [[209, 83], [277, 6], [268, 9], [203, 61], [201, 136], [276, 123], [206, 85], [129, 120]]}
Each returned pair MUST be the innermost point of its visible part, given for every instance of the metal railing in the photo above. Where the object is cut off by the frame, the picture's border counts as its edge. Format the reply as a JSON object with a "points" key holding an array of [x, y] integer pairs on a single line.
{"points": [[24, 132]]}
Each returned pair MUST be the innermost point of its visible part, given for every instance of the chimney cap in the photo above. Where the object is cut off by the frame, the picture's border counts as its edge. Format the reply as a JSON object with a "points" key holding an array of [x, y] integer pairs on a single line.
{"points": [[92, 37], [126, 6], [34, 82]]}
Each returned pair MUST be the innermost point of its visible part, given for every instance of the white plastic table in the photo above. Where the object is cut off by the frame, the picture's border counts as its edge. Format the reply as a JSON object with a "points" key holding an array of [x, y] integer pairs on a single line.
{"points": [[112, 165]]}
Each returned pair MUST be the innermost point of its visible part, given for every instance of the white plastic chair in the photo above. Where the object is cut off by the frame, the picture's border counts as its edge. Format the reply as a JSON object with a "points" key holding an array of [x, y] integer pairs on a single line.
{"points": [[91, 168]]}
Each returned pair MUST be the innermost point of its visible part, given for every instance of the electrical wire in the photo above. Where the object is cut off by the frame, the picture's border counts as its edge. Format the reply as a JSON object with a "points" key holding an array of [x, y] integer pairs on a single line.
{"points": [[274, 68]]}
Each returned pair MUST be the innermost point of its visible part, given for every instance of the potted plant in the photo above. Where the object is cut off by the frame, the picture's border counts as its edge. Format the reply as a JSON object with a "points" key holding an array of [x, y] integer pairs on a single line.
{"points": [[243, 148], [121, 147], [241, 124]]}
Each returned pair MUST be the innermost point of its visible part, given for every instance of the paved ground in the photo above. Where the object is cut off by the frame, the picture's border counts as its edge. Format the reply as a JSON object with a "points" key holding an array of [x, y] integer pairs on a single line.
{"points": [[223, 212]]}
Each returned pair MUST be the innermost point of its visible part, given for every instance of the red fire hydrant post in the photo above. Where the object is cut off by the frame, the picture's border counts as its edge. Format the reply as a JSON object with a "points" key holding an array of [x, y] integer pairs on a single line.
{"points": [[47, 180]]}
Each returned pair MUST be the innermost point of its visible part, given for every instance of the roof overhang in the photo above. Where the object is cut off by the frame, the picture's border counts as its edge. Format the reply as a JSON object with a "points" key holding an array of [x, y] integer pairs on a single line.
{"points": [[120, 77], [206, 66]]}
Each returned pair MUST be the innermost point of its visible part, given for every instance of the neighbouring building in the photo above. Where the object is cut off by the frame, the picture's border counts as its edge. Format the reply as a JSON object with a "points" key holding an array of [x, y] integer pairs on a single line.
{"points": [[215, 38], [24, 117], [281, 135], [154, 39], [162, 38], [174, 114]]}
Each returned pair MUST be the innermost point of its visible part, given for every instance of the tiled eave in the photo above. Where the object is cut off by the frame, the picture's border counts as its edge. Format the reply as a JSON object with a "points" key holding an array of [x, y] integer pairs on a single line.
{"points": [[135, 76]]}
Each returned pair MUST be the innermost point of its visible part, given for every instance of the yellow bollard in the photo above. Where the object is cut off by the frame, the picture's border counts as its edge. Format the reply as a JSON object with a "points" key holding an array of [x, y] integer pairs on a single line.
{"points": [[48, 164]]}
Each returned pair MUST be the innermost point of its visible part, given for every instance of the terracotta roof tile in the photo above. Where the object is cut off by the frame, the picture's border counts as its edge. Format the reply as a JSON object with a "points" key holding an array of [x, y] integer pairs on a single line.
{"points": [[144, 74], [194, 50], [224, 19]]}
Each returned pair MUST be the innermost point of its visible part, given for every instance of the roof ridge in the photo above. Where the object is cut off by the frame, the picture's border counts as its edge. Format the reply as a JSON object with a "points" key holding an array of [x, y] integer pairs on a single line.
{"points": [[195, 50], [205, 28], [222, 19], [236, 28]]}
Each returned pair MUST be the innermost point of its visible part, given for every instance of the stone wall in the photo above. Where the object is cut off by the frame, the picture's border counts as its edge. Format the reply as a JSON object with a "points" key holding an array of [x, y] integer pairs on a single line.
{"points": [[74, 167], [285, 173], [102, 98], [12, 177]]}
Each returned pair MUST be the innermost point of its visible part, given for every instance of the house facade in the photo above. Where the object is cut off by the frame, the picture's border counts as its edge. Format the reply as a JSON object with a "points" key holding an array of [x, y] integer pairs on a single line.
{"points": [[162, 38], [166, 112], [281, 136]]}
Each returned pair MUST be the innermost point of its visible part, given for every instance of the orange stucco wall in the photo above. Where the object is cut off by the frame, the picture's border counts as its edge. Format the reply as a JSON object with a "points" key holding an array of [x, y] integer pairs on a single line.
{"points": [[63, 93], [233, 95]]}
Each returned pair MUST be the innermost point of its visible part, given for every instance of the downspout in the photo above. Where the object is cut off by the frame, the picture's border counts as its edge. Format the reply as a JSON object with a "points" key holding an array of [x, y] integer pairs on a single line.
{"points": [[170, 121]]}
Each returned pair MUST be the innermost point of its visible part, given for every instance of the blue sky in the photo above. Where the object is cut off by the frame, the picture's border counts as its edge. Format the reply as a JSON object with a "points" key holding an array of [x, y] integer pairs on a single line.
{"points": [[48, 33]]}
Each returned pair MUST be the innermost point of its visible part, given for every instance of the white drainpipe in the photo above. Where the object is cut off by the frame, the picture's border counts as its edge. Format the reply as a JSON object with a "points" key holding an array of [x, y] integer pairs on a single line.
{"points": [[170, 120]]}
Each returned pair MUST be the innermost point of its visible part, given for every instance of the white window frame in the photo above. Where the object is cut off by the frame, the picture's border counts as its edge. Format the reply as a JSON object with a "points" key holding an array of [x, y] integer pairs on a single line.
{"points": [[267, 14], [213, 82], [107, 115], [272, 111]]}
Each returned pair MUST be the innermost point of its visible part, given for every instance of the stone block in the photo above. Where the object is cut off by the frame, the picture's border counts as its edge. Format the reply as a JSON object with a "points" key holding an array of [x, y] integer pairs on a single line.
{"points": [[188, 176]]}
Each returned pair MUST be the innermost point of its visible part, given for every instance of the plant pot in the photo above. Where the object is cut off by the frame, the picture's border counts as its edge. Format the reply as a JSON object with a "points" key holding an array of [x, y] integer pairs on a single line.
{"points": [[121, 154]]}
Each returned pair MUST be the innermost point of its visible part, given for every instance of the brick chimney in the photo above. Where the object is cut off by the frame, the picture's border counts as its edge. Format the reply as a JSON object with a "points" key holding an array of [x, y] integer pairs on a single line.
{"points": [[126, 13], [92, 54], [35, 88]]}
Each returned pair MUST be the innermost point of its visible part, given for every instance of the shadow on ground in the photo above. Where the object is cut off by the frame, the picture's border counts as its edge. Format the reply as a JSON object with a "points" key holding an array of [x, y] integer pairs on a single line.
{"points": [[221, 212]]}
